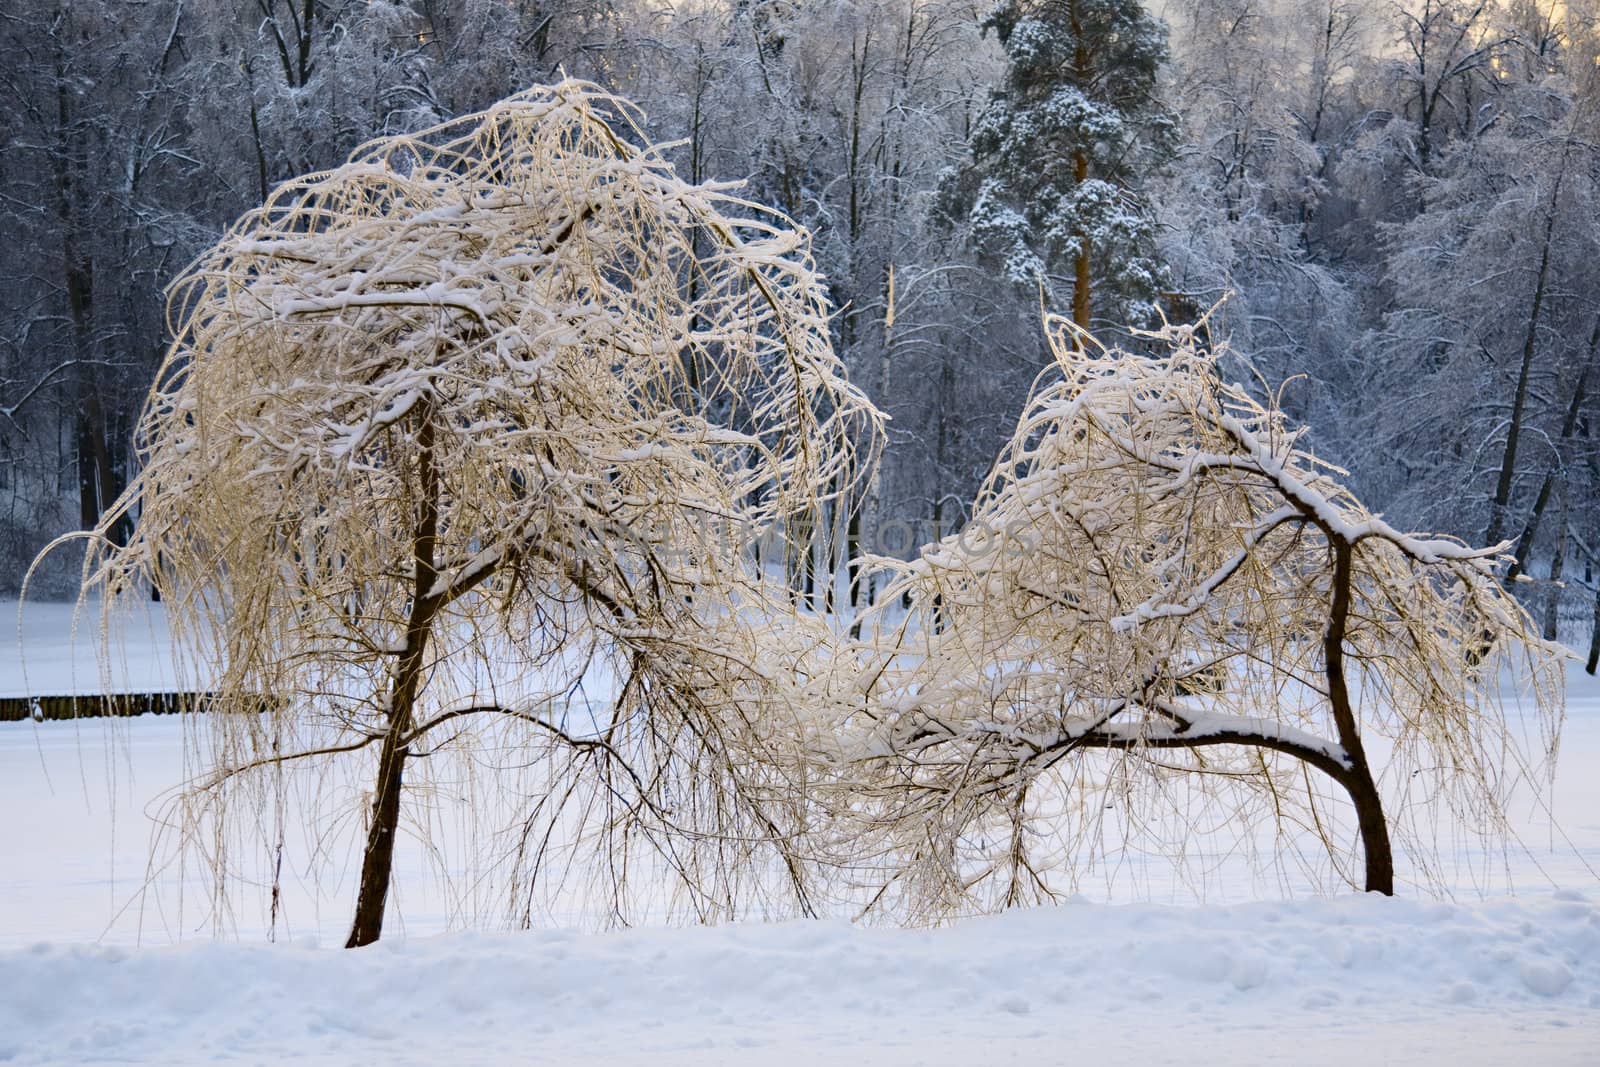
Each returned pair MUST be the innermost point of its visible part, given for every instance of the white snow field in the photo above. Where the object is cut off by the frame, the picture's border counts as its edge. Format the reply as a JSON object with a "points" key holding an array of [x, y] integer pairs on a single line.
{"points": [[1342, 981], [93, 971]]}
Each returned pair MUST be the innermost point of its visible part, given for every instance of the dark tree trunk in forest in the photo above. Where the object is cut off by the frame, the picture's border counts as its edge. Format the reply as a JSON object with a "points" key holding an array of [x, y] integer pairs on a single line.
{"points": [[1552, 595], [1081, 279], [1569, 426], [1519, 403], [97, 480], [1594, 638]]}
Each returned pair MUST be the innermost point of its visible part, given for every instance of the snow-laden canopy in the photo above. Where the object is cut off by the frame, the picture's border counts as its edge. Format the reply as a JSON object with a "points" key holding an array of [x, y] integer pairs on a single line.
{"points": [[479, 427], [588, 342], [1166, 612]]}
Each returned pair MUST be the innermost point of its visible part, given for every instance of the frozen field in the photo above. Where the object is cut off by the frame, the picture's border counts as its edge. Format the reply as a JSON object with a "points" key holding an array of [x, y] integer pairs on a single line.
{"points": [[94, 971]]}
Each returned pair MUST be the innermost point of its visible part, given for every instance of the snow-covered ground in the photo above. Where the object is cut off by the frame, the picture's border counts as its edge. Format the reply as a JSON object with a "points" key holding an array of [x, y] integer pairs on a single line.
{"points": [[1335, 982], [52, 649], [89, 970]]}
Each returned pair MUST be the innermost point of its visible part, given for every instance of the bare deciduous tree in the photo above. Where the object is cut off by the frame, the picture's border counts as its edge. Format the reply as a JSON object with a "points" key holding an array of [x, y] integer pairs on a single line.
{"points": [[456, 429], [1166, 609]]}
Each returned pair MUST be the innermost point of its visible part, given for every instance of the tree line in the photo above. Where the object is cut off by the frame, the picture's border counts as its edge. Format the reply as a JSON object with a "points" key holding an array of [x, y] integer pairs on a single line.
{"points": [[1396, 200]]}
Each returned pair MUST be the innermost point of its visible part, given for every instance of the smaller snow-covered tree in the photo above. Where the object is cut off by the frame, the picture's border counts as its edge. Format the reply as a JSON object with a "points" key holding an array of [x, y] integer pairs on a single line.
{"points": [[1052, 188], [470, 427], [1167, 614]]}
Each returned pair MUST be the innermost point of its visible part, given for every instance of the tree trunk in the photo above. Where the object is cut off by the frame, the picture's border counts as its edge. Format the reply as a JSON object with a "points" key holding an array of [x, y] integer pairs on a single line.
{"points": [[1374, 830], [1594, 637], [1519, 402], [872, 513], [853, 564], [97, 480], [1359, 783], [1569, 425], [1081, 280], [808, 562], [1552, 602], [377, 863]]}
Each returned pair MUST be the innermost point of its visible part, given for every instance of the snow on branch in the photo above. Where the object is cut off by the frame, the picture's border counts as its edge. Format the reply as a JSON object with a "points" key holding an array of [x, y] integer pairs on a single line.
{"points": [[1164, 611], [488, 418]]}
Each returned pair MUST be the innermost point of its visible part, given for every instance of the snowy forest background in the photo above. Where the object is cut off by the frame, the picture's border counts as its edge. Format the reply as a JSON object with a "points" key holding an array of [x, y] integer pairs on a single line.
{"points": [[1399, 197]]}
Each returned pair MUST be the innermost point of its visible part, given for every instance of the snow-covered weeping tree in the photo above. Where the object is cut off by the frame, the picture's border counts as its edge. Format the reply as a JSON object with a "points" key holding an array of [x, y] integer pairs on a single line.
{"points": [[1166, 615], [456, 453]]}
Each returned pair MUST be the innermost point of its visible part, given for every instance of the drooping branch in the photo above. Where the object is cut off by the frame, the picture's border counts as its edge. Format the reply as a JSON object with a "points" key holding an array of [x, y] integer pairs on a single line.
{"points": [[483, 410], [1160, 566]]}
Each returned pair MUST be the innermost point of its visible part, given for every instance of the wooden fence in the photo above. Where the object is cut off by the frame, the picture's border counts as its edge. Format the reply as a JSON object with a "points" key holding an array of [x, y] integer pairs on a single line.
{"points": [[88, 705]]}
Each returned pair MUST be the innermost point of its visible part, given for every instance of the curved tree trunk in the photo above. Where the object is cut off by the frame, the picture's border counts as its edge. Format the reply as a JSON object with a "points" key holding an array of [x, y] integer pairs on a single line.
{"points": [[1359, 783]]}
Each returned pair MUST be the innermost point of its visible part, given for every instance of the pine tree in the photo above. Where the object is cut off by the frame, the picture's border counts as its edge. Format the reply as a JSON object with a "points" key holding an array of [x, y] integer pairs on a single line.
{"points": [[1052, 187]]}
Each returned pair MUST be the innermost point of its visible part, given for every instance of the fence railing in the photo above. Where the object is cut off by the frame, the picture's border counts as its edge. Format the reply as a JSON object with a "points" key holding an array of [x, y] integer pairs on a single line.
{"points": [[99, 705]]}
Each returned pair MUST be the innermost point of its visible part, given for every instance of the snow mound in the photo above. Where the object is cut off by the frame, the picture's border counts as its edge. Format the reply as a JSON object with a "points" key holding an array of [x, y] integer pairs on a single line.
{"points": [[1509, 980]]}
